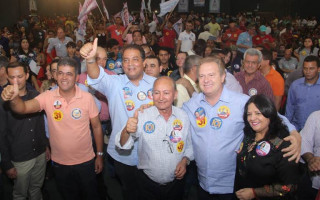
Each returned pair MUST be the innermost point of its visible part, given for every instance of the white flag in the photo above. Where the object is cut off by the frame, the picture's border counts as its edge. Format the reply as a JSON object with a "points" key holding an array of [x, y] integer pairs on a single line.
{"points": [[87, 7], [143, 7], [125, 14], [105, 9], [155, 18], [149, 6], [178, 26], [167, 6]]}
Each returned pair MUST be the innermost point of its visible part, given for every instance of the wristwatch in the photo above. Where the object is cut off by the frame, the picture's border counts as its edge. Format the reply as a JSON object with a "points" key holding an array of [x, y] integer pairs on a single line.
{"points": [[188, 160], [100, 153]]}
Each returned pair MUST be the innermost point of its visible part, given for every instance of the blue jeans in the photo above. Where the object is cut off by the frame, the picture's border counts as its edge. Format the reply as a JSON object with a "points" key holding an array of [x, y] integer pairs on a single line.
{"points": [[76, 181]]}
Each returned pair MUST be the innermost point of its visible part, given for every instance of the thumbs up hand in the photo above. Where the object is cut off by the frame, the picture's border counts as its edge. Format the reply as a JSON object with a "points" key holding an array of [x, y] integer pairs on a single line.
{"points": [[10, 92], [89, 50], [132, 123]]}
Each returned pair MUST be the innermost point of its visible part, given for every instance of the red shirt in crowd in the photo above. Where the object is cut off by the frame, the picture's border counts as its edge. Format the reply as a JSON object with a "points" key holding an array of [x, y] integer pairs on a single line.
{"points": [[168, 38]]}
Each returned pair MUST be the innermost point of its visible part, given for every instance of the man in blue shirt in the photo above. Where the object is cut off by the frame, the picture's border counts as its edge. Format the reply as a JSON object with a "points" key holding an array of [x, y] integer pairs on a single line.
{"points": [[114, 62], [125, 93], [217, 131], [244, 41], [304, 93]]}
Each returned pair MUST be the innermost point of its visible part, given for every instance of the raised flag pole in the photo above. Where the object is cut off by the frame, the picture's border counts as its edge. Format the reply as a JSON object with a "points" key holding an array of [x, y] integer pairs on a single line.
{"points": [[99, 9]]}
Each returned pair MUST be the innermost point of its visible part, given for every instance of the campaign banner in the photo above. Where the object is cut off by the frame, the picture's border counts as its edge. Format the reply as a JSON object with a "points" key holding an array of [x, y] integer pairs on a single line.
{"points": [[199, 3], [214, 6], [183, 6]]}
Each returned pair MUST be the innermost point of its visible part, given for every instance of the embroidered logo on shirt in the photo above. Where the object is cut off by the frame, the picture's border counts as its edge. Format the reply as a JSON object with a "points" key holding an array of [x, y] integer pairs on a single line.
{"points": [[200, 115], [129, 105], [216, 123], [180, 146], [149, 93], [141, 96], [127, 92], [223, 112], [253, 91], [177, 124], [86, 83], [57, 104], [149, 127], [76, 113], [263, 148], [57, 115]]}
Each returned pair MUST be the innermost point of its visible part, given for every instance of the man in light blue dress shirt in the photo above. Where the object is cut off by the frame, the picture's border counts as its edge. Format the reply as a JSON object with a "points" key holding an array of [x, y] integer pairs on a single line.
{"points": [[125, 93], [216, 117], [164, 144]]}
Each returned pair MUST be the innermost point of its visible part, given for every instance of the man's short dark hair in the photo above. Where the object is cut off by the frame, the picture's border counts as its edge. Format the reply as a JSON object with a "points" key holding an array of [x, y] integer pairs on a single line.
{"points": [[71, 44], [312, 58], [17, 64], [135, 47], [163, 49], [111, 43], [136, 31], [52, 62], [70, 62], [4, 61], [266, 54], [154, 57]]}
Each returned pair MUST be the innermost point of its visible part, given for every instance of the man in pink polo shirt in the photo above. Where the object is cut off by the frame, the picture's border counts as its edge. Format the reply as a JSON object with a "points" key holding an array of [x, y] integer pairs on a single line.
{"points": [[70, 111]]}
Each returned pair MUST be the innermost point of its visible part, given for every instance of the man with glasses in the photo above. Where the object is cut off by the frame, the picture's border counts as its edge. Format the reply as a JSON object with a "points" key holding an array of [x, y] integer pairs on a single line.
{"points": [[251, 79], [164, 144]]}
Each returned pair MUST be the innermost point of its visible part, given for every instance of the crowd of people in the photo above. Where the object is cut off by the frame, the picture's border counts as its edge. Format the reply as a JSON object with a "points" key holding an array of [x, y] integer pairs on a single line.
{"points": [[225, 104]]}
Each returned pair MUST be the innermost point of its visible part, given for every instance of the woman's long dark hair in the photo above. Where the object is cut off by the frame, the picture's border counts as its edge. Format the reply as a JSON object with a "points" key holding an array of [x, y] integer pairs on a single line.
{"points": [[268, 110], [20, 50]]}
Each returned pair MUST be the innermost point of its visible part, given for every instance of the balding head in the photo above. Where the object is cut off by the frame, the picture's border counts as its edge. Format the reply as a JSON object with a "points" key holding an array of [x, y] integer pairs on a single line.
{"points": [[101, 57]]}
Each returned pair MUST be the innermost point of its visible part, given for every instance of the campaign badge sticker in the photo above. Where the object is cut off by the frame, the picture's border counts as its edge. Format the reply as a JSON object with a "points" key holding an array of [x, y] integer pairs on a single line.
{"points": [[151, 103], [175, 136], [76, 113], [223, 112], [141, 96], [177, 124], [216, 123], [127, 92], [57, 104], [263, 148], [200, 115], [149, 94], [129, 105], [252, 92], [180, 146], [149, 127], [57, 115], [111, 66]]}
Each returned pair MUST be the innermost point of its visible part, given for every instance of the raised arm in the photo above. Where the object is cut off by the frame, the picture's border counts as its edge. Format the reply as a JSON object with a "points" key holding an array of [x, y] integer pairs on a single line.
{"points": [[88, 52], [11, 93]]}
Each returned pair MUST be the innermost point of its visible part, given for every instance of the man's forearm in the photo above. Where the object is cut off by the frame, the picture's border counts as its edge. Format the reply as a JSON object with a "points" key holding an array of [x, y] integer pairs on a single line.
{"points": [[124, 137], [92, 68], [98, 137], [18, 105], [307, 156]]}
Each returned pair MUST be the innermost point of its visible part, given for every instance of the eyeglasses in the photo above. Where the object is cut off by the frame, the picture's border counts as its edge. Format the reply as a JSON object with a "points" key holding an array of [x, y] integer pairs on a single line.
{"points": [[170, 147]]}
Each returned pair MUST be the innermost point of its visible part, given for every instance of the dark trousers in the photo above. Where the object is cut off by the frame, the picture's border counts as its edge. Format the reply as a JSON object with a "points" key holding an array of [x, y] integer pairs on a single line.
{"points": [[204, 195], [305, 190], [150, 190], [76, 181], [128, 179]]}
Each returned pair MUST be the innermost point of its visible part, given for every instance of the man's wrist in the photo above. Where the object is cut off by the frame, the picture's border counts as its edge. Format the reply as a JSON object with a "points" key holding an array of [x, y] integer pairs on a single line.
{"points": [[99, 153], [91, 60], [187, 160]]}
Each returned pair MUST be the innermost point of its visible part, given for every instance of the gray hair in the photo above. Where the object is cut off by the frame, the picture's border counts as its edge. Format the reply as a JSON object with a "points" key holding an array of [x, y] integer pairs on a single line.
{"points": [[193, 60], [253, 52]]}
